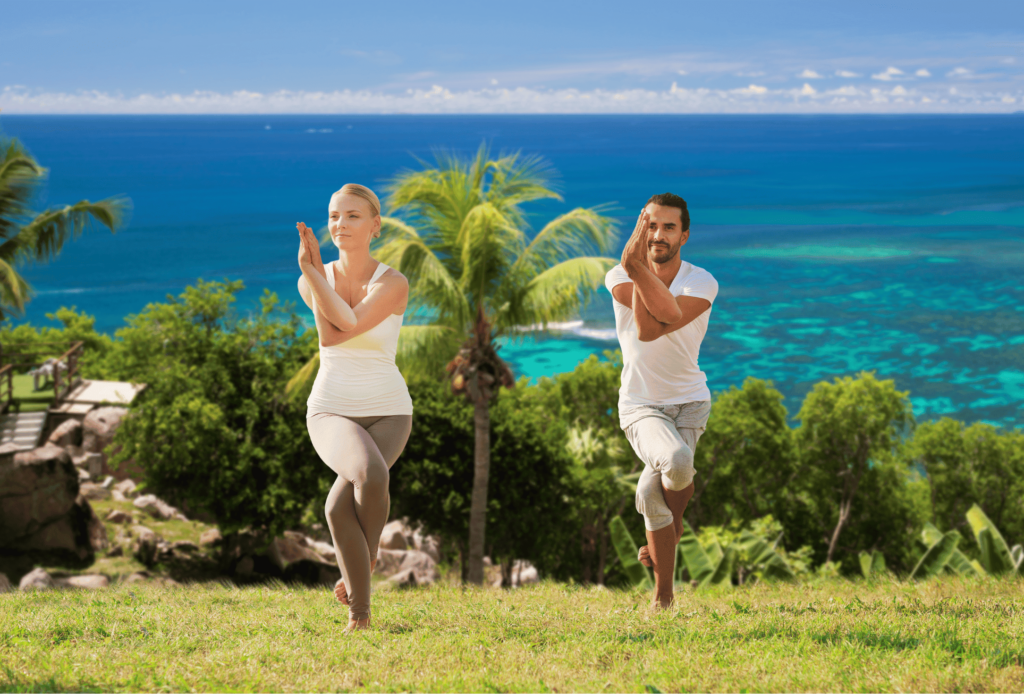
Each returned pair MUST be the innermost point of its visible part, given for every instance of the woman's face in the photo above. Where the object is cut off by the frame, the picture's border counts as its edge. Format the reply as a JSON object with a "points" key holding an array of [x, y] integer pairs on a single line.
{"points": [[351, 222]]}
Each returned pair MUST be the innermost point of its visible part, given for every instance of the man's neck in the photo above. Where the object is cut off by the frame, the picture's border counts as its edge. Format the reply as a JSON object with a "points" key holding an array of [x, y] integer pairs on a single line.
{"points": [[666, 272]]}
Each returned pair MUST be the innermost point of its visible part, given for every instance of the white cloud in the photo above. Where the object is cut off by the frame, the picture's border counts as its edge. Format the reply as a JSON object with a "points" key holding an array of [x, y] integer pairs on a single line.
{"points": [[923, 73], [959, 72], [681, 72], [439, 99], [494, 82], [809, 75], [846, 73], [889, 74]]}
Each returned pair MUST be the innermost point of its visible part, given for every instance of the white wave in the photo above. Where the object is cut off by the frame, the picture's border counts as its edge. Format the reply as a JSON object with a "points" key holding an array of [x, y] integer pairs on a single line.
{"points": [[75, 290], [574, 327]]}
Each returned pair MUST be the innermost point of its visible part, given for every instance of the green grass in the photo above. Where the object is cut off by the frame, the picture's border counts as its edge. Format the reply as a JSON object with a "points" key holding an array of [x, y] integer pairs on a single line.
{"points": [[31, 400], [944, 635]]}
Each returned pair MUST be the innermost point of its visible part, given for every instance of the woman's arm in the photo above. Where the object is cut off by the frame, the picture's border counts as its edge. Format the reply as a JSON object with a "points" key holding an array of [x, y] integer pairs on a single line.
{"points": [[334, 309], [388, 296]]}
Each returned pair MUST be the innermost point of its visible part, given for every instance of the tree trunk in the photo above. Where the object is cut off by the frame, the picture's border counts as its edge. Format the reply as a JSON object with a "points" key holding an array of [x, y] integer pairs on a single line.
{"points": [[844, 514], [478, 506]]}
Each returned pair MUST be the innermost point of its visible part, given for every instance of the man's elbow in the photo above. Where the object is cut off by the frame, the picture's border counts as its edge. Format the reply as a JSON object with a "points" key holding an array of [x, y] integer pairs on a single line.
{"points": [[647, 335]]}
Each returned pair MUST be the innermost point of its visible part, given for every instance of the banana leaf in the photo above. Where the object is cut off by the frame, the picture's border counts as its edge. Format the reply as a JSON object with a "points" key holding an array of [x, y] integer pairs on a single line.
{"points": [[715, 553], [935, 559], [958, 563], [627, 551], [995, 554], [865, 563], [722, 575], [698, 563], [760, 552], [1017, 554]]}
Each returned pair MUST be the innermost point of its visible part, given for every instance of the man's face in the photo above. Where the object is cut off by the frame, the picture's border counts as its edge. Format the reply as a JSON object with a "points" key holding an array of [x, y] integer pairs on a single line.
{"points": [[665, 235]]}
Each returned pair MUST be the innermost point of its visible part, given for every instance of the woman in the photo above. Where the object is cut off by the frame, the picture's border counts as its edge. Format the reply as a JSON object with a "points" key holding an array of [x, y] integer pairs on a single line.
{"points": [[359, 412]]}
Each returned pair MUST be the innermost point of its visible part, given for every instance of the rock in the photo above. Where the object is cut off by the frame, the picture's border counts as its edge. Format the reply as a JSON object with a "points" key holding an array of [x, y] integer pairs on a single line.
{"points": [[68, 433], [94, 492], [78, 458], [138, 577], [97, 530], [157, 507], [99, 427], [210, 537], [5, 584], [184, 546], [117, 496], [324, 549], [393, 536], [108, 483], [393, 562], [297, 537], [524, 573], [89, 581], [128, 488], [42, 518], [116, 551], [116, 516], [83, 475], [429, 544], [37, 579], [244, 567], [298, 563], [94, 464], [404, 579], [145, 546]]}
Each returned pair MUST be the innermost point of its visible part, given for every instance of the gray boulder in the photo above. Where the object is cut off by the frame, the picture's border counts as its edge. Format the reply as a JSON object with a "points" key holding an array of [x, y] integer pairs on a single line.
{"points": [[5, 584], [116, 516], [395, 535], [99, 427], [393, 562], [69, 433], [37, 579], [158, 508], [43, 520], [94, 492], [87, 581], [145, 545], [128, 488], [210, 537]]}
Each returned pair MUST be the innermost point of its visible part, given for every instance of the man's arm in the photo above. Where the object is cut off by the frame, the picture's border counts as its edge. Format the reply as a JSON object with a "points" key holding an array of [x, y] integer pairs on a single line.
{"points": [[648, 327]]}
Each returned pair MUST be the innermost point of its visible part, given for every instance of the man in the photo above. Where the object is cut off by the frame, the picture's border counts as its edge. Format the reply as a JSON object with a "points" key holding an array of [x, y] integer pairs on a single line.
{"points": [[662, 306]]}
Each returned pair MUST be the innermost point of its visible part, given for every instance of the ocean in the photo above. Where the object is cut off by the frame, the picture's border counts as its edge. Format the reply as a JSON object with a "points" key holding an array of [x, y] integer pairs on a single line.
{"points": [[893, 244]]}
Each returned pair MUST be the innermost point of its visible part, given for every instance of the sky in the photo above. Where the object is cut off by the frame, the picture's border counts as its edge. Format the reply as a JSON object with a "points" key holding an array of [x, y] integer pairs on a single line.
{"points": [[679, 56]]}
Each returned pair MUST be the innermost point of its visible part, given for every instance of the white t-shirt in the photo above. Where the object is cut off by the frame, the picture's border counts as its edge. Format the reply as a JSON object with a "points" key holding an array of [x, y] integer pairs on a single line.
{"points": [[663, 371]]}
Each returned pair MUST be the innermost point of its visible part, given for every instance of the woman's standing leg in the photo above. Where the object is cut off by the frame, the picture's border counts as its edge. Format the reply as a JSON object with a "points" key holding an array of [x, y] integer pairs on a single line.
{"points": [[357, 501], [390, 433]]}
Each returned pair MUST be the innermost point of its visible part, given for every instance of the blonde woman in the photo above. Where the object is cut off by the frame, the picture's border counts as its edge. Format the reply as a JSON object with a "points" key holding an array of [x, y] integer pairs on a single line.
{"points": [[359, 413]]}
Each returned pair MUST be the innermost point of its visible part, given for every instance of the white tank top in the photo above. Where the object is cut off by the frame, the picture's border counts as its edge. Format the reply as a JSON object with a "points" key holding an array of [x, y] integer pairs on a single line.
{"points": [[359, 378]]}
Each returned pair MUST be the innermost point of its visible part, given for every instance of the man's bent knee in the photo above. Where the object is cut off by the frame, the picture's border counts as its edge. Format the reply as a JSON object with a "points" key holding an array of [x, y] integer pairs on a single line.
{"points": [[650, 503], [677, 469]]}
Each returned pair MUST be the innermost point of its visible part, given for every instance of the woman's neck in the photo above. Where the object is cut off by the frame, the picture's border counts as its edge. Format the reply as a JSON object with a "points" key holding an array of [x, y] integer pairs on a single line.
{"points": [[354, 263]]}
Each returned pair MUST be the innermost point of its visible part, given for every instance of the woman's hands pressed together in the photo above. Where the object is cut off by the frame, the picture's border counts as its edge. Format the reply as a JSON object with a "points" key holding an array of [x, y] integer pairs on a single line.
{"points": [[309, 251]]}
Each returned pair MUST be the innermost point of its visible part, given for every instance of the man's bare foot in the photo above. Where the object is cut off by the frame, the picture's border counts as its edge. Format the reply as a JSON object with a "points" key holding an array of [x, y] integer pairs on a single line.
{"points": [[662, 603], [357, 625], [644, 557]]}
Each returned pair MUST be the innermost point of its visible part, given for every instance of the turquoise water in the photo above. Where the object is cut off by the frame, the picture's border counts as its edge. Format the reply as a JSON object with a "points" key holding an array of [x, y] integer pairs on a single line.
{"points": [[893, 244]]}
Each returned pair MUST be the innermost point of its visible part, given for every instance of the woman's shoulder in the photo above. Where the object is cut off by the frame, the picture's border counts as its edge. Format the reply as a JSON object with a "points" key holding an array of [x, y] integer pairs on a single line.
{"points": [[392, 277]]}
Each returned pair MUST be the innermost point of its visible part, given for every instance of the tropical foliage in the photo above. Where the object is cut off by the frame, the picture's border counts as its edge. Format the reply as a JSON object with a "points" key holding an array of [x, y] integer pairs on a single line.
{"points": [[461, 236], [30, 236]]}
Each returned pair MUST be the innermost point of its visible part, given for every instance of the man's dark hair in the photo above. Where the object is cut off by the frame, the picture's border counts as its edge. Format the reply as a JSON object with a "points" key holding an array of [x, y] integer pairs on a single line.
{"points": [[672, 200]]}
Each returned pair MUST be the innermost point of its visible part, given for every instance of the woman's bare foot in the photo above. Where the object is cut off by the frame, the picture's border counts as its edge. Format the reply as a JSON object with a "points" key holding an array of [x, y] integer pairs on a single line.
{"points": [[644, 557], [341, 592]]}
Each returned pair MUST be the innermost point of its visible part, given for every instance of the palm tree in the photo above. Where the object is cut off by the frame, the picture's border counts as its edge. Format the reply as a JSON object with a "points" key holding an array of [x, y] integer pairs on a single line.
{"points": [[27, 235], [475, 275]]}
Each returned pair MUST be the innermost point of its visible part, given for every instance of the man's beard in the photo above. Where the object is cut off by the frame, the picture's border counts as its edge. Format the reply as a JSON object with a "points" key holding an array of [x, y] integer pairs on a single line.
{"points": [[660, 254]]}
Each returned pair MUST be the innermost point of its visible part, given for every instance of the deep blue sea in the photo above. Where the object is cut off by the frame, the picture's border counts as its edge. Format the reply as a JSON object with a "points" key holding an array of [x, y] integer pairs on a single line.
{"points": [[885, 243]]}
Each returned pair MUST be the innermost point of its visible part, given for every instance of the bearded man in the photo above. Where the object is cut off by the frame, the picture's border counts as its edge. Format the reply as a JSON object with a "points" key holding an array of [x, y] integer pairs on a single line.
{"points": [[662, 307]]}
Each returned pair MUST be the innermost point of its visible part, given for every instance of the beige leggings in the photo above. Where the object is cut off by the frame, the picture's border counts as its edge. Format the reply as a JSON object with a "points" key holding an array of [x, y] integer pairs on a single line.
{"points": [[361, 450]]}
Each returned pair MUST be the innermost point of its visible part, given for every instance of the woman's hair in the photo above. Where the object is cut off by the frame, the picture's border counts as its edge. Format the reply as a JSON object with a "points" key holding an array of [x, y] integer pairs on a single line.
{"points": [[362, 192]]}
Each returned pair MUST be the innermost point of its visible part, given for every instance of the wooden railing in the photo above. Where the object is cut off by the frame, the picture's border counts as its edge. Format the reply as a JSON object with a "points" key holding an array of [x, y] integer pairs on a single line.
{"points": [[64, 382], [6, 374]]}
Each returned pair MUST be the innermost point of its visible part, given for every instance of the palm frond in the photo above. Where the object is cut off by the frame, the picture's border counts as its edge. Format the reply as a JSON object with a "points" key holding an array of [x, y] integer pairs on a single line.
{"points": [[430, 283], [300, 385], [425, 349], [20, 175], [580, 232], [489, 243], [43, 237], [516, 179], [14, 290], [557, 294]]}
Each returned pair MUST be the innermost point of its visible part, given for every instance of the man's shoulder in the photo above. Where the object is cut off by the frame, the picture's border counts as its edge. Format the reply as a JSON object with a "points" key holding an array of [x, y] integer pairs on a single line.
{"points": [[617, 275]]}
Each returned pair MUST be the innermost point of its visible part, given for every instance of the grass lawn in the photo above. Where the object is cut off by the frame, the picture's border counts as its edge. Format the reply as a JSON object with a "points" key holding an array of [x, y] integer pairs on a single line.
{"points": [[944, 635], [31, 400]]}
